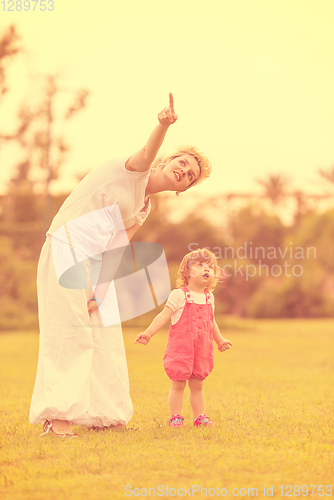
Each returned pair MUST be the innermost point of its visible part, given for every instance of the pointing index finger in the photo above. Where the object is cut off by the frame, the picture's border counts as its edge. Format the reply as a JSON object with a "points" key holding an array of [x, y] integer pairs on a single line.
{"points": [[171, 102]]}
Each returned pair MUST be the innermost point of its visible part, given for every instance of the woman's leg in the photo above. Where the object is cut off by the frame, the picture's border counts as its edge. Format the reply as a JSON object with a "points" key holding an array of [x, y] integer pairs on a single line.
{"points": [[61, 427], [175, 398], [196, 396], [61, 392]]}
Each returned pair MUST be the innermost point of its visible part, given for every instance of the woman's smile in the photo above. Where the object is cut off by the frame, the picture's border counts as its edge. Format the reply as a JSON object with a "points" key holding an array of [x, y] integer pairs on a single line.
{"points": [[184, 169]]}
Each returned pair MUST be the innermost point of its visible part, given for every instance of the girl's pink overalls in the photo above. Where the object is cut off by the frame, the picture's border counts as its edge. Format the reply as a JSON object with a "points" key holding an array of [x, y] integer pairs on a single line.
{"points": [[189, 352]]}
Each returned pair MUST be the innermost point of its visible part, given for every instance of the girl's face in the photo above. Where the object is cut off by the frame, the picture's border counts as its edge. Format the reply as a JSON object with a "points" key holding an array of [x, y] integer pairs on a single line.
{"points": [[201, 273], [180, 172]]}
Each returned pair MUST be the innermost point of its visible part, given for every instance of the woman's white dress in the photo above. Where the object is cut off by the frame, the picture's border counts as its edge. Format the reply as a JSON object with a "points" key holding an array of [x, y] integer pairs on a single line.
{"points": [[82, 372]]}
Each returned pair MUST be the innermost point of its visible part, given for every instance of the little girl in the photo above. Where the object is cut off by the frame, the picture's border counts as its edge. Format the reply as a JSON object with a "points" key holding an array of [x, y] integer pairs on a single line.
{"points": [[189, 352]]}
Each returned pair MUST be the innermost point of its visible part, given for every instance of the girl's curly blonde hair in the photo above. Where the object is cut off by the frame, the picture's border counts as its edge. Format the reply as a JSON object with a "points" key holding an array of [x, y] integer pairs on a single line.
{"points": [[202, 161], [199, 256]]}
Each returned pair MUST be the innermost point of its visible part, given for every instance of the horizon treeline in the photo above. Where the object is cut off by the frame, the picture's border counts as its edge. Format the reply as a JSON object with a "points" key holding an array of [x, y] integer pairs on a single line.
{"points": [[268, 269]]}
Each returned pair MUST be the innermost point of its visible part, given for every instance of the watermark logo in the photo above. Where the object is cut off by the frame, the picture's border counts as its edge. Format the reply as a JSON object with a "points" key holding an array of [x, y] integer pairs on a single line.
{"points": [[135, 277], [284, 260]]}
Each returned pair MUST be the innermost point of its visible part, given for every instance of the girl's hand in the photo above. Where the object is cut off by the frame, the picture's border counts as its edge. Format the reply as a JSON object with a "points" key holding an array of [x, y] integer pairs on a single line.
{"points": [[223, 345], [92, 306], [167, 116], [142, 338]]}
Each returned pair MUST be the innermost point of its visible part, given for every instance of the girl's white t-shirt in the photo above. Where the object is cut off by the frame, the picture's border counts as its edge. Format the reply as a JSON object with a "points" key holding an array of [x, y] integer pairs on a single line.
{"points": [[177, 300]]}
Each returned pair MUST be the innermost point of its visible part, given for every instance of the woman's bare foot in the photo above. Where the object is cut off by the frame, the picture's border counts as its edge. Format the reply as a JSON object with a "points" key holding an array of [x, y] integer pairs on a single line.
{"points": [[61, 427]]}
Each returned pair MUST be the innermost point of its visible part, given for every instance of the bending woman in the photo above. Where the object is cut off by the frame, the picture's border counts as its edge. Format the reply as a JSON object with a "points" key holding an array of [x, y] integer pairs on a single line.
{"points": [[82, 376]]}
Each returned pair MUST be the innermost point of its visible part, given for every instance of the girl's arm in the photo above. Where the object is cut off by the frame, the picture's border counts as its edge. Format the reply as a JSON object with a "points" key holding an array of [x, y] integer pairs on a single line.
{"points": [[222, 343], [159, 322], [143, 159]]}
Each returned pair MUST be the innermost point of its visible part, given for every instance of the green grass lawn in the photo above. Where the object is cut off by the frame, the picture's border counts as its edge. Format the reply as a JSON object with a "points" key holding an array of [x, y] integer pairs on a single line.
{"points": [[270, 396]]}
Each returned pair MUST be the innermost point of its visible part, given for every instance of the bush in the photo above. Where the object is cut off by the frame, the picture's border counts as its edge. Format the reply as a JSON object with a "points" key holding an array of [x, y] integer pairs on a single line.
{"points": [[18, 293]]}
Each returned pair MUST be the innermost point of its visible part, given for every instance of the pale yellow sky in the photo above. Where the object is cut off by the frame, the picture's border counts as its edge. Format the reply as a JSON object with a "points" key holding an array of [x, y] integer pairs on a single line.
{"points": [[252, 81]]}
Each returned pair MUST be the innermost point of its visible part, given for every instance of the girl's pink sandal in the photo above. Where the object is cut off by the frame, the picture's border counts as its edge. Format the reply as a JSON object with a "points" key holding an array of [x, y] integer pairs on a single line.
{"points": [[202, 420], [47, 427], [176, 420]]}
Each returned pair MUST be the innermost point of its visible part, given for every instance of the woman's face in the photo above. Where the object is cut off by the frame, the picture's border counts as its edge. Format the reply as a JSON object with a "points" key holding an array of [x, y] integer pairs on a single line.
{"points": [[181, 172]]}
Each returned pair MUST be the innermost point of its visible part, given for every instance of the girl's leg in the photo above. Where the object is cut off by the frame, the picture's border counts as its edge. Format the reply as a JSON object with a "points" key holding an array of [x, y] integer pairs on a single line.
{"points": [[175, 398], [196, 396]]}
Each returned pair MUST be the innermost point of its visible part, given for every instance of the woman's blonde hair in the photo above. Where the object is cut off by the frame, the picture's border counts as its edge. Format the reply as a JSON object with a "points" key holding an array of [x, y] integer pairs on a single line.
{"points": [[199, 256], [202, 161]]}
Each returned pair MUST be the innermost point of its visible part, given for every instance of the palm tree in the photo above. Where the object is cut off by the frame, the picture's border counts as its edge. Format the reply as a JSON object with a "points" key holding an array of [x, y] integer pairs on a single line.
{"points": [[275, 188], [302, 205]]}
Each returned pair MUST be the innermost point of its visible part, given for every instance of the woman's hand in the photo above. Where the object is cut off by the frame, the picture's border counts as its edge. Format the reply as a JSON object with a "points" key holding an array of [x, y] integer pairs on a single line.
{"points": [[142, 338], [92, 306], [167, 116], [143, 159]]}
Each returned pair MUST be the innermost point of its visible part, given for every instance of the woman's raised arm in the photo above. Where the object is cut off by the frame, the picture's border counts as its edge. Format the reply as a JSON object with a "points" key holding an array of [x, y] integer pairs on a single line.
{"points": [[143, 159]]}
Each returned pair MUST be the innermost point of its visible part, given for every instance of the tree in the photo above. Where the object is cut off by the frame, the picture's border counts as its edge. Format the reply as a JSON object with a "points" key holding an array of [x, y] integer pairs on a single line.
{"points": [[52, 149], [8, 49], [274, 188], [302, 205], [34, 134]]}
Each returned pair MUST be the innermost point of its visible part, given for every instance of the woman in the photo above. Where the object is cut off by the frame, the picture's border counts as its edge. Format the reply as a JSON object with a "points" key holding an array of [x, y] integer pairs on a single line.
{"points": [[82, 374]]}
